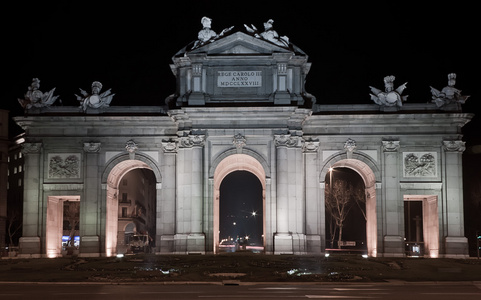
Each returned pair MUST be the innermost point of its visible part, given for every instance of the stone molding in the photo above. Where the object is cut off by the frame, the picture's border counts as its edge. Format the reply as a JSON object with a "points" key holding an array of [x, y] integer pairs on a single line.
{"points": [[63, 186]]}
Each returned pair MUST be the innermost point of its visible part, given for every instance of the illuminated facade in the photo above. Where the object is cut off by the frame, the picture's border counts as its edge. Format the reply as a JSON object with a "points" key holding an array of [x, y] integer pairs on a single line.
{"points": [[240, 105]]}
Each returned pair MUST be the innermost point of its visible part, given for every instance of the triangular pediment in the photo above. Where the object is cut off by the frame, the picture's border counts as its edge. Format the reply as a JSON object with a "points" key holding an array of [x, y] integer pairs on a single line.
{"points": [[240, 43]]}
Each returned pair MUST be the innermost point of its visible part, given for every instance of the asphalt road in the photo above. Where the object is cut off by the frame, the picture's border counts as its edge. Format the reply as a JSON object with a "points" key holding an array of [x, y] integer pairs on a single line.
{"points": [[394, 290]]}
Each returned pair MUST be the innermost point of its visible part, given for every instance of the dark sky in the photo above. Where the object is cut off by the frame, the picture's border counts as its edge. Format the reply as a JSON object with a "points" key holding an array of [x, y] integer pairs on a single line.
{"points": [[128, 47]]}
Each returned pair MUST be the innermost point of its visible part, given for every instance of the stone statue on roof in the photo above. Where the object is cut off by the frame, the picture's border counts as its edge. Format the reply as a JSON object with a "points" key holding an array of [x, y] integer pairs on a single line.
{"points": [[448, 94], [389, 97], [206, 34], [34, 98], [269, 34], [95, 99]]}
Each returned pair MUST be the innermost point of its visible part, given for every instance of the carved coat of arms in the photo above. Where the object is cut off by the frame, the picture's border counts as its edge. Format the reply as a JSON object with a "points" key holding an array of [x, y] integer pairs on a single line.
{"points": [[64, 166]]}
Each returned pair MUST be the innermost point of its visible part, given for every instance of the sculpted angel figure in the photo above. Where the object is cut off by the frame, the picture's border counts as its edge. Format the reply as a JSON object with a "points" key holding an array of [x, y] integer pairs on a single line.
{"points": [[448, 94], [207, 34], [95, 100], [35, 98], [269, 34], [390, 97]]}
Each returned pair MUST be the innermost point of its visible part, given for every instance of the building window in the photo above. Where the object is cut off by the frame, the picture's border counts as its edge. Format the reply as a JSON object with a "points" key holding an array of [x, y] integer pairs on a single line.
{"points": [[124, 212], [20, 182]]}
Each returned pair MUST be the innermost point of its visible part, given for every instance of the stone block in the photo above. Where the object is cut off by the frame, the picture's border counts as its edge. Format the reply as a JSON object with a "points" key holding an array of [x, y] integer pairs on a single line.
{"points": [[29, 245], [283, 244]]}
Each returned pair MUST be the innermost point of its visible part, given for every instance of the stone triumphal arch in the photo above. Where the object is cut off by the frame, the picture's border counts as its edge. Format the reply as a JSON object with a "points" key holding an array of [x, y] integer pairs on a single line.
{"points": [[240, 104]]}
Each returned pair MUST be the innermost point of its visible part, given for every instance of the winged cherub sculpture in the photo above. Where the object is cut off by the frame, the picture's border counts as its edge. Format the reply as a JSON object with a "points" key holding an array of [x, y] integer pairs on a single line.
{"points": [[95, 100], [448, 94], [35, 98], [390, 97]]}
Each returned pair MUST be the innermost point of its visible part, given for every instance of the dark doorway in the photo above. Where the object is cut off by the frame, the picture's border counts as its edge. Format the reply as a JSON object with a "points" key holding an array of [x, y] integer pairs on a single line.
{"points": [[413, 228], [241, 212], [349, 187]]}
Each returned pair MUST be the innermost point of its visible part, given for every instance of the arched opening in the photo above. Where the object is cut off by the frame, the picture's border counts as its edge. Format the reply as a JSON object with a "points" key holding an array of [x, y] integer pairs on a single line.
{"points": [[241, 213], [345, 205], [136, 212], [367, 175], [232, 163], [143, 202]]}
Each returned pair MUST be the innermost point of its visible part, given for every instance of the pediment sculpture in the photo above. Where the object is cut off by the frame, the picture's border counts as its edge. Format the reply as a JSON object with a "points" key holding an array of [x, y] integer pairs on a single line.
{"points": [[34, 98], [269, 34], [449, 94], [207, 35], [391, 96], [95, 99]]}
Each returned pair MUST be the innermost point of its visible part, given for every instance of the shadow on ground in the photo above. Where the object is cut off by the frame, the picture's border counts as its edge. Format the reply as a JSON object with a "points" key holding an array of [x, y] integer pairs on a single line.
{"points": [[242, 267]]}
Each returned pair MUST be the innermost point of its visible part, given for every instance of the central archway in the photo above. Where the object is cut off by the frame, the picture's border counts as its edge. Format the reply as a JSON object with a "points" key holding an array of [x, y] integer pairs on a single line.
{"points": [[235, 162], [369, 179]]}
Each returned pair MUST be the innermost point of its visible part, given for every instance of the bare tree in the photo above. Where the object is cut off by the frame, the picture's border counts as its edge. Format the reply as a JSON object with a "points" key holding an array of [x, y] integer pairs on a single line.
{"points": [[14, 224], [71, 213], [338, 203], [359, 195]]}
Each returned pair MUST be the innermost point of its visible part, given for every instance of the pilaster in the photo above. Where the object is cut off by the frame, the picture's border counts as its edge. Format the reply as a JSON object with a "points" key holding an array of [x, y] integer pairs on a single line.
{"points": [[32, 206], [393, 212], [456, 244]]}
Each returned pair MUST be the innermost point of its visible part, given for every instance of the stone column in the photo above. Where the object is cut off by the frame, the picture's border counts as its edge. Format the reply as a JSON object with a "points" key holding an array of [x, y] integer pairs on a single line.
{"points": [[189, 235], [456, 244], [165, 217], [290, 236], [32, 204], [313, 228], [89, 214], [392, 224]]}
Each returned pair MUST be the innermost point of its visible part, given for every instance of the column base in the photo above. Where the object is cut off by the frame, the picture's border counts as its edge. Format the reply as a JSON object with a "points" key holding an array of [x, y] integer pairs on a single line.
{"points": [[29, 246], [283, 243], [89, 244], [193, 243], [313, 244], [456, 247], [393, 246]]}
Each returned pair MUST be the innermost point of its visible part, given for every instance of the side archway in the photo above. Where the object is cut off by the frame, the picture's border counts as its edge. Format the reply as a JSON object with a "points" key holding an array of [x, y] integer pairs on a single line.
{"points": [[368, 176], [235, 162], [112, 175]]}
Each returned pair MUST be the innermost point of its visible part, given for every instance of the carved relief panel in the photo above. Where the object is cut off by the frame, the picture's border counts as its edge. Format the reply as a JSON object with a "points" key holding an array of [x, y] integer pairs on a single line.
{"points": [[63, 165]]}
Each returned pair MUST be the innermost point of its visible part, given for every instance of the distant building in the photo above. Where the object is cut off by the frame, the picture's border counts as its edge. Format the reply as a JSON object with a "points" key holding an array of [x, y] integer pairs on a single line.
{"points": [[4, 142], [16, 170], [240, 104]]}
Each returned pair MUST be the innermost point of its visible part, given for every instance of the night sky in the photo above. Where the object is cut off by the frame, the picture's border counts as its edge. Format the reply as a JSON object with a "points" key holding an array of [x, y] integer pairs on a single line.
{"points": [[128, 47]]}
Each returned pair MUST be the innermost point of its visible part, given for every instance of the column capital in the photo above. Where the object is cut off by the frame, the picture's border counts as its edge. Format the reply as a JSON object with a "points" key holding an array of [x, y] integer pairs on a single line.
{"points": [[92, 147], [287, 140], [454, 146], [29, 148], [310, 145], [170, 145], [390, 146], [195, 140]]}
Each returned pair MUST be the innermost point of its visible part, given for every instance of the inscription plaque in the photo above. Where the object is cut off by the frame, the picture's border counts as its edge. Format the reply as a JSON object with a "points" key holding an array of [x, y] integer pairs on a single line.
{"points": [[239, 78]]}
